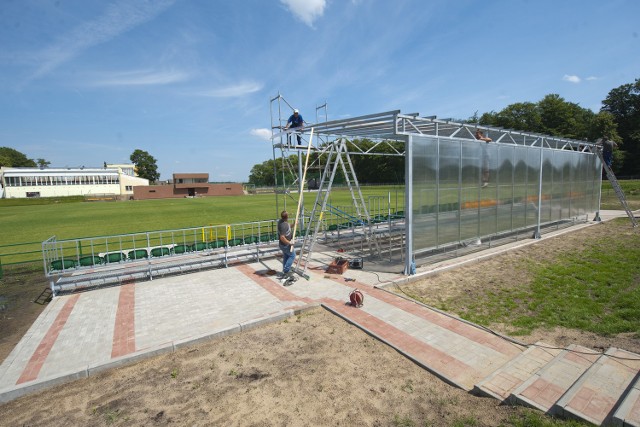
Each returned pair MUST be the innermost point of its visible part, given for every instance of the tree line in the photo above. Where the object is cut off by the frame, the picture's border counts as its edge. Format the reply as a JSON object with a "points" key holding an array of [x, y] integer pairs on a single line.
{"points": [[618, 120]]}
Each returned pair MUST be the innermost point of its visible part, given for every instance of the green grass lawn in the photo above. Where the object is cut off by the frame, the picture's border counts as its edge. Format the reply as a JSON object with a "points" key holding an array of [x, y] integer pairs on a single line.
{"points": [[593, 288], [35, 220]]}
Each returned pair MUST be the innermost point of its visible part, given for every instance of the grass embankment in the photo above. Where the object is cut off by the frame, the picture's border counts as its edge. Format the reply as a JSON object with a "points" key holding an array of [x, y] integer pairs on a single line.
{"points": [[594, 287]]}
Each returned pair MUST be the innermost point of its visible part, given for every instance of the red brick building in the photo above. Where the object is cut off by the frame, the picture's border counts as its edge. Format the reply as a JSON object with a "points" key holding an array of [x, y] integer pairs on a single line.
{"points": [[187, 185]]}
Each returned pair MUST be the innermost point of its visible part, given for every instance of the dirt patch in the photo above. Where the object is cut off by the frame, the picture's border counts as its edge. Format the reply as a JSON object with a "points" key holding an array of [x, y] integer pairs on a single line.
{"points": [[313, 369], [19, 288]]}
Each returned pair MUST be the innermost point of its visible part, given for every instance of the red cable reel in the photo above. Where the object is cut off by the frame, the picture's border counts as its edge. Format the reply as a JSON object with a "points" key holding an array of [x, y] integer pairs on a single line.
{"points": [[356, 298]]}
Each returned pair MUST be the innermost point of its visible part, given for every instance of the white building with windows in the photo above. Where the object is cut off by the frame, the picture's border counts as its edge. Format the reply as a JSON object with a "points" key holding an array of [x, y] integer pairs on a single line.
{"points": [[111, 181]]}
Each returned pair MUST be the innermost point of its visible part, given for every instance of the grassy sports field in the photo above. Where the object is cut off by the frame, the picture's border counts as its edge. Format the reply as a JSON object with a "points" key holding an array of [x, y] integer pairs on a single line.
{"points": [[34, 220]]}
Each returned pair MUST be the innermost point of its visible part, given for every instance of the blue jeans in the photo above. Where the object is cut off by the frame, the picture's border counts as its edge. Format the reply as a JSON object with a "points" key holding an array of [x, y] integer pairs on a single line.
{"points": [[287, 258]]}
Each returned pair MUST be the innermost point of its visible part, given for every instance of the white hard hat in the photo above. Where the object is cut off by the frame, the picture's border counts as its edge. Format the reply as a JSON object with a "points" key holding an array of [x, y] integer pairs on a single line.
{"points": [[295, 111]]}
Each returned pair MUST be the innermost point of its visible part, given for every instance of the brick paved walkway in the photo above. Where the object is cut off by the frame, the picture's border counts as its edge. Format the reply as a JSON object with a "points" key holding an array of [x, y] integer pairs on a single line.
{"points": [[79, 335]]}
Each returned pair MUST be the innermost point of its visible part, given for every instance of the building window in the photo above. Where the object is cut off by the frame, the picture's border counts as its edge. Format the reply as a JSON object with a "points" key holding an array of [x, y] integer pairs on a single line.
{"points": [[129, 188]]}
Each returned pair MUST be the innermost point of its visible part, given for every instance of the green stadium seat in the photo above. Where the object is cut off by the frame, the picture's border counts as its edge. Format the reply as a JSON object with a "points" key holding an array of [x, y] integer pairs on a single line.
{"points": [[220, 243], [158, 252], [251, 239], [235, 242], [180, 249], [63, 264], [267, 237], [137, 254], [200, 246], [114, 257], [89, 260]]}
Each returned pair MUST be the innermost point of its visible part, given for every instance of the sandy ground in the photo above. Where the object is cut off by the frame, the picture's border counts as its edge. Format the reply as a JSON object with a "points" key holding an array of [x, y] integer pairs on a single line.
{"points": [[311, 370]]}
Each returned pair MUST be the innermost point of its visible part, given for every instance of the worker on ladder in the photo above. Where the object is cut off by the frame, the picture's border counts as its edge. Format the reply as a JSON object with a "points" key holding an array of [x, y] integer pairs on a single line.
{"points": [[607, 149]]}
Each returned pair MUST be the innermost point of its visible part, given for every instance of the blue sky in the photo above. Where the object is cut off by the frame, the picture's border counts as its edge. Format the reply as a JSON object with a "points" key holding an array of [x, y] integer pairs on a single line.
{"points": [[88, 81]]}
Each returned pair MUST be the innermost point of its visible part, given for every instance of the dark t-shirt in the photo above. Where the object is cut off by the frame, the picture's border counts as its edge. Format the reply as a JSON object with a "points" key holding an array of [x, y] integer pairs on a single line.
{"points": [[607, 146], [296, 122], [284, 229]]}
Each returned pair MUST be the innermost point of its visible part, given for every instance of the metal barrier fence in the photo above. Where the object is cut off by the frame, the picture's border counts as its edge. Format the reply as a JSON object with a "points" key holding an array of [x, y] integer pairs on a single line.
{"points": [[90, 262], [72, 264], [19, 253]]}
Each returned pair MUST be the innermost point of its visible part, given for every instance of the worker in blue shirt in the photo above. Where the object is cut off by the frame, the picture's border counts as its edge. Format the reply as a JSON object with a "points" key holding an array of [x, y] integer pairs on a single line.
{"points": [[295, 121]]}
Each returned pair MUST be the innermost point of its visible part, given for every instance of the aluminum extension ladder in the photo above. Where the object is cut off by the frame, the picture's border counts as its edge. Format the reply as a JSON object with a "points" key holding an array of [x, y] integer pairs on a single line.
{"points": [[338, 156], [616, 187]]}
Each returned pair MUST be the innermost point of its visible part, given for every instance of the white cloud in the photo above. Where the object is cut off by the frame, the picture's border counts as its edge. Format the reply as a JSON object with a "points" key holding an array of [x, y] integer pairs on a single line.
{"points": [[306, 10], [117, 19], [571, 79], [142, 78], [262, 133], [591, 78], [233, 91]]}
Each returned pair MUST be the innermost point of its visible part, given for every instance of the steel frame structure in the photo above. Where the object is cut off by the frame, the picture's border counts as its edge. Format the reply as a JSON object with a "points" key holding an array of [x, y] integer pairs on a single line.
{"points": [[396, 130]]}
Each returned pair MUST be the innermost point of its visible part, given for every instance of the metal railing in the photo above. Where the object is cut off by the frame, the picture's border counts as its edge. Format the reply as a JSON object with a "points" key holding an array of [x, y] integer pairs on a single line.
{"points": [[89, 262]]}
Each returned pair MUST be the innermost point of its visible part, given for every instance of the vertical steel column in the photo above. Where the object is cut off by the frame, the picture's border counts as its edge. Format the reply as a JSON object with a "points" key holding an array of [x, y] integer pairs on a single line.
{"points": [[437, 192], [301, 189], [597, 217], [536, 234], [459, 191], [408, 204], [273, 148]]}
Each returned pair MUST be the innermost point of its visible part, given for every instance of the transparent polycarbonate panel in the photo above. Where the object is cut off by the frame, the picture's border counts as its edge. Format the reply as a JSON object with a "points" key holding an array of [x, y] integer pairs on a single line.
{"points": [[488, 197], [593, 166], [452, 204], [520, 187], [474, 163], [557, 178], [505, 182], [449, 195], [425, 192], [580, 187], [547, 187], [533, 186], [567, 183]]}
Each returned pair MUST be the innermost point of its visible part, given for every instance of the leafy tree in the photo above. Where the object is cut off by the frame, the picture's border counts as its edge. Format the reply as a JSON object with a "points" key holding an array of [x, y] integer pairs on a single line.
{"points": [[604, 125], [522, 115], [145, 165], [551, 115], [13, 158], [624, 104], [42, 163], [378, 169], [262, 174], [563, 118]]}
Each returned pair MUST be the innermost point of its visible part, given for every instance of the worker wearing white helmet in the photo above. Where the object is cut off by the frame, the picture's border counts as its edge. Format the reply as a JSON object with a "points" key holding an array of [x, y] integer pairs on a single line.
{"points": [[295, 122]]}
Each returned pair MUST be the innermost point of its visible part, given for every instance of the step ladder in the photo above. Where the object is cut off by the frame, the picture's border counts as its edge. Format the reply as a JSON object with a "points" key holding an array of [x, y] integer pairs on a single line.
{"points": [[616, 187], [337, 157]]}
